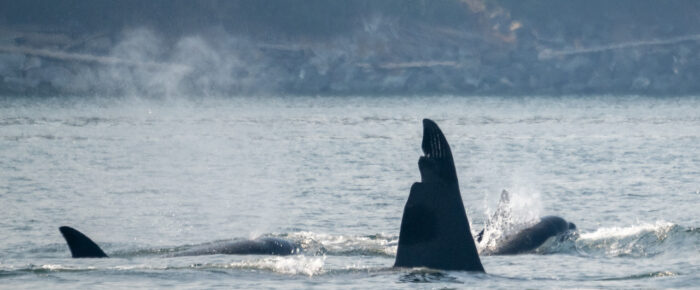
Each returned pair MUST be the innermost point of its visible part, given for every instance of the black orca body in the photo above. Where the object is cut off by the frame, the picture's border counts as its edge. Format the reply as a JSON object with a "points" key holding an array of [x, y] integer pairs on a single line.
{"points": [[434, 228], [82, 247], [259, 246], [532, 237], [528, 239]]}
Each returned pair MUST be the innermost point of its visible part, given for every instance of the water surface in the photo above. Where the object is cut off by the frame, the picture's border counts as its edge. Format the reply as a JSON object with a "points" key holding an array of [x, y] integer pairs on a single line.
{"points": [[146, 177]]}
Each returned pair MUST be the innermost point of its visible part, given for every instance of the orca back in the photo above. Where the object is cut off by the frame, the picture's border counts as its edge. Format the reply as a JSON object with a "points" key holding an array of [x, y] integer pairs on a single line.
{"points": [[531, 238], [435, 231], [280, 247], [80, 245], [260, 246]]}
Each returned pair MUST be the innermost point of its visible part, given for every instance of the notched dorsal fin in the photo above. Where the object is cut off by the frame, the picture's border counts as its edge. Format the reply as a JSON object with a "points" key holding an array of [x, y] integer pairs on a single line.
{"points": [[80, 245]]}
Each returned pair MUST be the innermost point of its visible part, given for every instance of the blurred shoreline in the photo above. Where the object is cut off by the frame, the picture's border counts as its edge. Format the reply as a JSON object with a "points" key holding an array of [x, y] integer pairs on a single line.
{"points": [[470, 47]]}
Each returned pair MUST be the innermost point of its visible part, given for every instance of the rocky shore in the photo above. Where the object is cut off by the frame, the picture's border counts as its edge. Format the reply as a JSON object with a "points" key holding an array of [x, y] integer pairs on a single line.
{"points": [[470, 47]]}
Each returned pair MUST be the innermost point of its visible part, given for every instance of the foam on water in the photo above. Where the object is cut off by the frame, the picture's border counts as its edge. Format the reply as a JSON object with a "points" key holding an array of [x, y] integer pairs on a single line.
{"points": [[346, 245], [516, 210], [659, 228], [292, 265]]}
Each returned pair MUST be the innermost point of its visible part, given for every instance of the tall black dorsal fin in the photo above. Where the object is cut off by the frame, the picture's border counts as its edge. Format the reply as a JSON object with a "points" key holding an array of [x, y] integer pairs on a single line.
{"points": [[434, 228], [80, 245]]}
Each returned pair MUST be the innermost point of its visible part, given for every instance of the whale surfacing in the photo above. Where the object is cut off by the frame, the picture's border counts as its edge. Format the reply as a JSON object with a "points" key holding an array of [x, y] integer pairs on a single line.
{"points": [[531, 238], [259, 246], [83, 247], [435, 231], [527, 239]]}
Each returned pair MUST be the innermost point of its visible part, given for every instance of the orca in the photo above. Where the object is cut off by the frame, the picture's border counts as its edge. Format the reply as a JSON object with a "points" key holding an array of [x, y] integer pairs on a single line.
{"points": [[527, 239], [434, 230], [532, 237], [83, 247]]}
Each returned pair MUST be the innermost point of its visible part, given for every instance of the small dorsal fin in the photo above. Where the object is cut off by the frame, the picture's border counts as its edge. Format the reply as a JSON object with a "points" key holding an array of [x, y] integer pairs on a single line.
{"points": [[80, 245]]}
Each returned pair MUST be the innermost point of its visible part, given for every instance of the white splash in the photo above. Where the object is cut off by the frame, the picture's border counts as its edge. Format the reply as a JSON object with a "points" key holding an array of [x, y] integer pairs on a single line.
{"points": [[346, 243], [293, 265], [53, 267], [515, 210]]}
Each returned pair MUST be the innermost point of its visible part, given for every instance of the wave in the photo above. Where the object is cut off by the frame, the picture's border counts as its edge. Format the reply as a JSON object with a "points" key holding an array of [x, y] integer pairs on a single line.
{"points": [[300, 265], [345, 245], [291, 265], [295, 265], [656, 274], [636, 241], [643, 240]]}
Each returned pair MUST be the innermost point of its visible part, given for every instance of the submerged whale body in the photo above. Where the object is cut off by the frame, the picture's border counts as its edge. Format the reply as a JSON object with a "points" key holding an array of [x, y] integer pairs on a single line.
{"points": [[528, 239], [434, 228], [259, 246], [83, 247]]}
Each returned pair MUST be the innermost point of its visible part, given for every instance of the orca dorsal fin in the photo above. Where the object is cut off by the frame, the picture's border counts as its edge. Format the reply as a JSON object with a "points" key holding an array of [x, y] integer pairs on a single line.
{"points": [[435, 231], [80, 245]]}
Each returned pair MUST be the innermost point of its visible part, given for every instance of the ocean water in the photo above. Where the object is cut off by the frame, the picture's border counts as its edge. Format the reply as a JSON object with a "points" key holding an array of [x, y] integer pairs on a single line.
{"points": [[145, 177]]}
